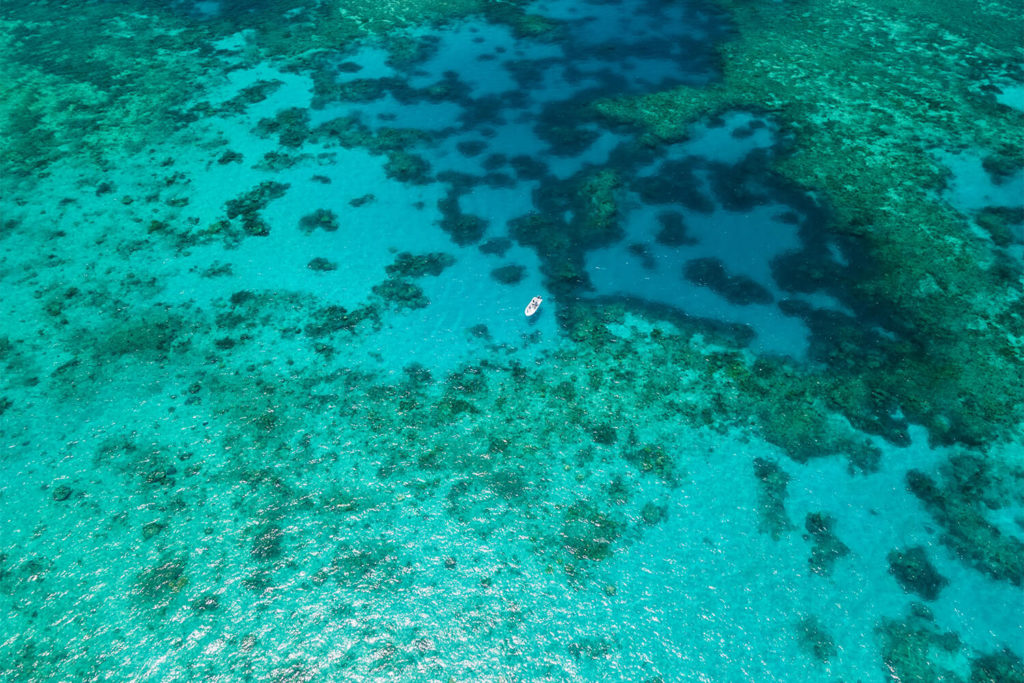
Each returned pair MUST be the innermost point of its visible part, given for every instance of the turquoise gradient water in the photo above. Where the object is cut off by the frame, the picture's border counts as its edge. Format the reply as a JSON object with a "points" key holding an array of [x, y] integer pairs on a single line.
{"points": [[212, 472]]}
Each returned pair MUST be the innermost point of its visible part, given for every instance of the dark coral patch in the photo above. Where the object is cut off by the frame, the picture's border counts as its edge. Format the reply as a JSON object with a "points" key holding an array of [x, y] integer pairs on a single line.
{"points": [[737, 289], [496, 246], [330, 319], [815, 640], [463, 228], [248, 205], [508, 275], [673, 231], [970, 486], [915, 573], [827, 546], [401, 294], [321, 265], [588, 533], [418, 265], [771, 498], [321, 219]]}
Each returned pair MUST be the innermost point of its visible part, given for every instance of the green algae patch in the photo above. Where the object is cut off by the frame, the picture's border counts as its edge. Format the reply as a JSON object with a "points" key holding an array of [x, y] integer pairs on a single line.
{"points": [[865, 95]]}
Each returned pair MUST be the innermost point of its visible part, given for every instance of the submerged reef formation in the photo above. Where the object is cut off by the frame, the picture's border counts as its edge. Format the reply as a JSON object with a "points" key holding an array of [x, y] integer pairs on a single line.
{"points": [[772, 497], [70, 97], [208, 380], [916, 79], [916, 573], [969, 490], [915, 648]]}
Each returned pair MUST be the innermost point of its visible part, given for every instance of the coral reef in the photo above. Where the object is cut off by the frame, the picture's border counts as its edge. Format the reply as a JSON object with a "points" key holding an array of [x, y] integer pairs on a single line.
{"points": [[915, 573], [771, 498], [419, 265], [159, 584], [321, 265], [673, 231], [588, 532], [322, 219], [463, 228], [247, 206], [914, 649], [736, 289], [401, 294], [815, 640], [867, 146], [509, 275], [827, 547], [267, 463], [968, 488]]}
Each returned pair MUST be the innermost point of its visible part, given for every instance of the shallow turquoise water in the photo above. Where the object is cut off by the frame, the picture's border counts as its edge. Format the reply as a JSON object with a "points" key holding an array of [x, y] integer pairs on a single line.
{"points": [[272, 410]]}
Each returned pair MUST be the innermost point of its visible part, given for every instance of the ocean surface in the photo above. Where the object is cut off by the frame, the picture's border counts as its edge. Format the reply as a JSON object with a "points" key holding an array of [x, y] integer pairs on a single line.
{"points": [[271, 409]]}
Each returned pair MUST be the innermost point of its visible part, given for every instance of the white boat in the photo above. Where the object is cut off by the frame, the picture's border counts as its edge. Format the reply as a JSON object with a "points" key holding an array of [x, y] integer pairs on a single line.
{"points": [[532, 307]]}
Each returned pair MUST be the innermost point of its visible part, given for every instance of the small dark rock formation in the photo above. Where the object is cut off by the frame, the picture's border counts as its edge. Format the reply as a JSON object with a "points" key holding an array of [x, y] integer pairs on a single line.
{"points": [[997, 668], [248, 205], [331, 319], [652, 513], [471, 148], [642, 252], [291, 126], [479, 332], [407, 167], [160, 583], [242, 296], [228, 157], [652, 459], [603, 433]]}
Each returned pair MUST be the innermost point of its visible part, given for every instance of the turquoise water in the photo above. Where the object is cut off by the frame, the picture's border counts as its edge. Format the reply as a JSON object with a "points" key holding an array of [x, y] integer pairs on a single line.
{"points": [[271, 410]]}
